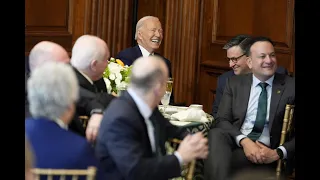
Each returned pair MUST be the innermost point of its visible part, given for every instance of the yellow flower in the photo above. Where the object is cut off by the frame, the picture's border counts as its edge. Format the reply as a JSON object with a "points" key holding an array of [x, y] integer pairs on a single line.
{"points": [[120, 62]]}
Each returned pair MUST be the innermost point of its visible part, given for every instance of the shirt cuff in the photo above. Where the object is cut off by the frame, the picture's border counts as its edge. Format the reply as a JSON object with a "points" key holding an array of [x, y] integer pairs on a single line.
{"points": [[239, 138], [179, 158], [284, 151]]}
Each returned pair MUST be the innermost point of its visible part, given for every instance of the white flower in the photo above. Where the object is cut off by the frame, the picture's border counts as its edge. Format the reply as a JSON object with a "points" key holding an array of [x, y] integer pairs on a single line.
{"points": [[108, 84], [114, 67], [119, 76], [117, 81], [112, 76]]}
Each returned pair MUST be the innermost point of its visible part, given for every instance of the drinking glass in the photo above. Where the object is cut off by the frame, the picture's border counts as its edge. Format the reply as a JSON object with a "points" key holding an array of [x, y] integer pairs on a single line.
{"points": [[166, 97]]}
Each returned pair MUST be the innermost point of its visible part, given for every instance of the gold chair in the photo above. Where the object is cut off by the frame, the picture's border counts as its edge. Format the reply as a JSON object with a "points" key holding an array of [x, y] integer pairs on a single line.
{"points": [[191, 166], [286, 128], [90, 173]]}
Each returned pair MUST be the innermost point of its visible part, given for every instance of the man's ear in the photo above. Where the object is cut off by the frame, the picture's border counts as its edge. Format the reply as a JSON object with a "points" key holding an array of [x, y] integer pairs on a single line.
{"points": [[157, 89], [93, 65], [249, 62], [139, 34]]}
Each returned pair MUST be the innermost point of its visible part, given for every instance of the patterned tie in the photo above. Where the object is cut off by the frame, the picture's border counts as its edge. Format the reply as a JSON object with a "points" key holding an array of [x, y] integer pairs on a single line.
{"points": [[261, 113]]}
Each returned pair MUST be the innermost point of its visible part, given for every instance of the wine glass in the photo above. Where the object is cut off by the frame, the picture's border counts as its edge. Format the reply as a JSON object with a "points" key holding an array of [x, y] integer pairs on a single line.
{"points": [[166, 97]]}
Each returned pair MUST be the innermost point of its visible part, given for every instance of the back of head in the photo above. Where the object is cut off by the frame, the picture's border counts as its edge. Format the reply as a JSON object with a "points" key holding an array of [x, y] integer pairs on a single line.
{"points": [[239, 40], [146, 72], [52, 89], [46, 51], [86, 49]]}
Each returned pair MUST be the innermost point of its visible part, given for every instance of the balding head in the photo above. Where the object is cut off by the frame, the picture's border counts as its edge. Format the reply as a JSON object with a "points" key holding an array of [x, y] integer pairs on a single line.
{"points": [[148, 78], [142, 22], [46, 51], [90, 55]]}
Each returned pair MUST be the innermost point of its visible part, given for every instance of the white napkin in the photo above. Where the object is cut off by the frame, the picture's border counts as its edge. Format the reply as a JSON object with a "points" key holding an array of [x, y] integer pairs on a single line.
{"points": [[191, 114]]}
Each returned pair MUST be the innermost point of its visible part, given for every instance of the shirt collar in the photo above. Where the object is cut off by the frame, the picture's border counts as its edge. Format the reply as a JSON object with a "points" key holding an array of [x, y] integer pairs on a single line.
{"points": [[87, 77], [144, 52], [256, 81], [143, 107], [61, 124]]}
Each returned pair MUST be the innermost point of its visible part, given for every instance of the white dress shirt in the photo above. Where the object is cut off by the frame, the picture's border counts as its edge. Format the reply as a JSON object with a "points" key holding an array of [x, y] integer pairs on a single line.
{"points": [[146, 112], [61, 124], [87, 77], [251, 114], [144, 52]]}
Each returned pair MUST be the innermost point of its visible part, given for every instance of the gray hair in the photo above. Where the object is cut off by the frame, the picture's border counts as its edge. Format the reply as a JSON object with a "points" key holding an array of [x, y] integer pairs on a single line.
{"points": [[52, 88], [86, 49], [146, 72], [141, 23]]}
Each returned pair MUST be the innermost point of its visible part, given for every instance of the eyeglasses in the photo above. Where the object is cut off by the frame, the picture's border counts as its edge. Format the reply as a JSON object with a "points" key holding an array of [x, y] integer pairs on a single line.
{"points": [[234, 59]]}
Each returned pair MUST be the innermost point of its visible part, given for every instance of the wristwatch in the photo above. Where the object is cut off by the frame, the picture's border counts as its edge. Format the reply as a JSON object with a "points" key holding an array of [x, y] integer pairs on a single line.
{"points": [[96, 111], [280, 153]]}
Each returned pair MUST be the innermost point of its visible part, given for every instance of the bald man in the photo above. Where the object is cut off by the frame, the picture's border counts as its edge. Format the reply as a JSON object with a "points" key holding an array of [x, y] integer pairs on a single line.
{"points": [[149, 35], [90, 56], [132, 136]]}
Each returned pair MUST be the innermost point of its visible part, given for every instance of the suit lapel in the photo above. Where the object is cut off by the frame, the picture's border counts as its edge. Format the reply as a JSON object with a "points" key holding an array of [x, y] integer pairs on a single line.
{"points": [[244, 92], [277, 90]]}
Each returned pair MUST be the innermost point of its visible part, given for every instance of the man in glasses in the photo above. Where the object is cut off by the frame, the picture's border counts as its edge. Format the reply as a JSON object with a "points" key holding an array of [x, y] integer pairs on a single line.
{"points": [[236, 56]]}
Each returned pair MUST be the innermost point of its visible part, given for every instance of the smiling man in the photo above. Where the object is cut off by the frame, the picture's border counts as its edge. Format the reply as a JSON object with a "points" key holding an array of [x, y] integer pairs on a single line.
{"points": [[149, 35], [236, 56]]}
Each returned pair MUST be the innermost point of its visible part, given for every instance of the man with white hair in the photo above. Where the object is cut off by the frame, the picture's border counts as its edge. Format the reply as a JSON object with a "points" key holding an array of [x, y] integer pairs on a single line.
{"points": [[131, 139], [149, 35], [52, 93], [90, 56]]}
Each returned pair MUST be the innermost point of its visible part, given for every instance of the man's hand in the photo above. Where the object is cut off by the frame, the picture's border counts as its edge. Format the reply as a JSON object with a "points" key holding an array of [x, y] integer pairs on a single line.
{"points": [[268, 155], [93, 127], [251, 150], [193, 146]]}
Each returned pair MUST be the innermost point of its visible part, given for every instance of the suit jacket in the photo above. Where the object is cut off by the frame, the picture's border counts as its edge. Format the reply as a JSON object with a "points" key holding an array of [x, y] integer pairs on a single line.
{"points": [[123, 145], [92, 96], [58, 148], [234, 102], [129, 55], [222, 79]]}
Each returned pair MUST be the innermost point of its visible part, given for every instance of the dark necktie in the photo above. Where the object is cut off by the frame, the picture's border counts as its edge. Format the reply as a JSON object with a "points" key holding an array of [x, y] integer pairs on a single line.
{"points": [[261, 113], [154, 122]]}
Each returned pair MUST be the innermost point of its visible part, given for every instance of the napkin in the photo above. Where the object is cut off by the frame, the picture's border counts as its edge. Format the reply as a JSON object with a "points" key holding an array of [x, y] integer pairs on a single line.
{"points": [[191, 114]]}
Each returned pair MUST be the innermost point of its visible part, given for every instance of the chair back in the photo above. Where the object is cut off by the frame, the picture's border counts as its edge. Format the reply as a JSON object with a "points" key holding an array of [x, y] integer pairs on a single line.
{"points": [[286, 128], [90, 173]]}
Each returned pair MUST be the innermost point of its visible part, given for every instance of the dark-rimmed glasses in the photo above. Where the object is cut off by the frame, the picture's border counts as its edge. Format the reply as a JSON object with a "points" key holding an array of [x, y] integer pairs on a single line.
{"points": [[234, 59]]}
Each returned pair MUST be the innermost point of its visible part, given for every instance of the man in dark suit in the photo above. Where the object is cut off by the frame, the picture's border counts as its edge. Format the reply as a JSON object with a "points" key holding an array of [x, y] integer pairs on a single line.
{"points": [[237, 61], [131, 139], [149, 35], [250, 116], [90, 56], [52, 105]]}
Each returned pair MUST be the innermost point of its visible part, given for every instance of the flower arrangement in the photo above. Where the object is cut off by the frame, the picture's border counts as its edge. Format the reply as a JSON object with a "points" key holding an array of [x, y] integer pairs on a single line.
{"points": [[116, 75]]}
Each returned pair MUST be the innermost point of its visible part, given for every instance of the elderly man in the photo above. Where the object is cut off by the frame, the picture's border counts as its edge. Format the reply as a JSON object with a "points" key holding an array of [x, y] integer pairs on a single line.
{"points": [[52, 93], [149, 36], [90, 56], [249, 120], [130, 143], [236, 55]]}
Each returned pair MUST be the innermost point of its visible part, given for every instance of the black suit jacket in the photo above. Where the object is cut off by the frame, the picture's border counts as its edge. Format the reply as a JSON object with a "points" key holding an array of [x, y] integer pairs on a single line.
{"points": [[222, 79], [123, 145], [129, 55], [234, 102]]}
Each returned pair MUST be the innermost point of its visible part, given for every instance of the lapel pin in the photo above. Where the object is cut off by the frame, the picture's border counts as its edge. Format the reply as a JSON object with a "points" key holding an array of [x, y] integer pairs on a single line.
{"points": [[278, 91]]}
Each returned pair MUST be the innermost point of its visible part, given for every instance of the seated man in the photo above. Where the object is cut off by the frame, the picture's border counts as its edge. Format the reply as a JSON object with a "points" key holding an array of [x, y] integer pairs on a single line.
{"points": [[237, 61], [52, 93], [131, 139], [249, 120], [90, 56], [148, 36]]}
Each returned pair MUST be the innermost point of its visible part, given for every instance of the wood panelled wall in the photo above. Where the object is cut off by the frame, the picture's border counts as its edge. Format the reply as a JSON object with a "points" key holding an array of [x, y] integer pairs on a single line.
{"points": [[194, 32]]}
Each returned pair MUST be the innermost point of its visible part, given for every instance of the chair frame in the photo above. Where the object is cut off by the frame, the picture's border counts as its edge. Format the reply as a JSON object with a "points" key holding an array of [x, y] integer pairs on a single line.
{"points": [[90, 173]]}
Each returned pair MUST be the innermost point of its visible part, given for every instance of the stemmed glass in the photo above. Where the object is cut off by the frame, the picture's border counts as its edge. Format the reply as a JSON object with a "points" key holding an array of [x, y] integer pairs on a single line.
{"points": [[166, 97]]}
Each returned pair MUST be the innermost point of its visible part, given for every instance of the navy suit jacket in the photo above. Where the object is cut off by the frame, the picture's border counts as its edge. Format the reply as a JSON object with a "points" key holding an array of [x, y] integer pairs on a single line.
{"points": [[58, 148], [222, 79], [129, 55], [123, 145]]}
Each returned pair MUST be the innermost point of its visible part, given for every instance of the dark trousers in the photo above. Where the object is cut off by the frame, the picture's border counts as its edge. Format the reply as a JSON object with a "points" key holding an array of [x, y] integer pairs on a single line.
{"points": [[227, 159]]}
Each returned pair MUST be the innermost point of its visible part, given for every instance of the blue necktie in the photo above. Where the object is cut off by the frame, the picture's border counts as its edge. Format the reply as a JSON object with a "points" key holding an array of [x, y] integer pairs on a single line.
{"points": [[261, 113]]}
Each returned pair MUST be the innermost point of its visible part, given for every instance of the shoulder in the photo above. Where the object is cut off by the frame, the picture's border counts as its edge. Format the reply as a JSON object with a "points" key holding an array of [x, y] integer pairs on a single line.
{"points": [[226, 75], [127, 51]]}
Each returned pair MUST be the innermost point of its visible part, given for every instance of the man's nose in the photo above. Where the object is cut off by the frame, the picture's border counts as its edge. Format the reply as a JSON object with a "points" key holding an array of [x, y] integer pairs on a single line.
{"points": [[231, 64]]}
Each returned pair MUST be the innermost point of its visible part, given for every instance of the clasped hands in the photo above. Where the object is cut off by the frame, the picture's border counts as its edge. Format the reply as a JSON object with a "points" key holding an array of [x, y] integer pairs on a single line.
{"points": [[193, 146], [258, 153]]}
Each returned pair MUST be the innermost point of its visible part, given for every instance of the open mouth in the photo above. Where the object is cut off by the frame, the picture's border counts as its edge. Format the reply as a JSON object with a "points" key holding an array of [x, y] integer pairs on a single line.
{"points": [[155, 40]]}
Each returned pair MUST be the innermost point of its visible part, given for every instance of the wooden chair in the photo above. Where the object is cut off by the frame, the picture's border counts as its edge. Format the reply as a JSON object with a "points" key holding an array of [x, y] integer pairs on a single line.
{"points": [[191, 166], [90, 173], [286, 129]]}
